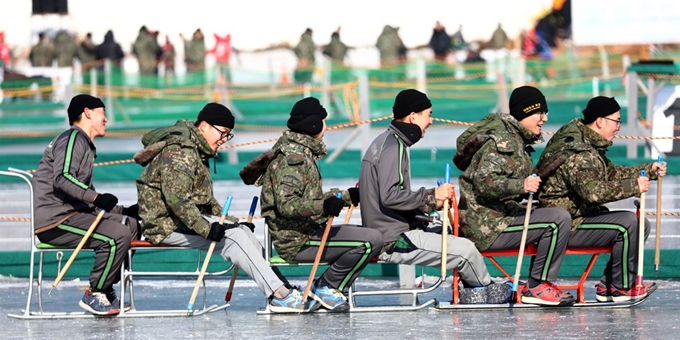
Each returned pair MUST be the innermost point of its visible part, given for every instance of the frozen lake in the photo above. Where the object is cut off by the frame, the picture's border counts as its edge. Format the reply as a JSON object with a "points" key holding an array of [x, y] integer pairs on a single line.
{"points": [[656, 318]]}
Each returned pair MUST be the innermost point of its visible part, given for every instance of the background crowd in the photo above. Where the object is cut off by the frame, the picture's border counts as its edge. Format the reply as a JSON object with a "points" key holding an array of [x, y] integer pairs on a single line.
{"points": [[151, 49]]}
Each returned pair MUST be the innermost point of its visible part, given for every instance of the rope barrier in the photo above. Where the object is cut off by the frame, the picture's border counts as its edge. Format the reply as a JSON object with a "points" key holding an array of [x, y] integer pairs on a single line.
{"points": [[28, 220], [357, 123]]}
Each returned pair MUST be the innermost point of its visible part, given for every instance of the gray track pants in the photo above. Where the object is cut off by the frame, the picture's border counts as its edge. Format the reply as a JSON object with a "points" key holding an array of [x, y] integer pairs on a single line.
{"points": [[425, 248], [241, 247], [348, 249], [110, 242], [549, 228], [619, 229]]}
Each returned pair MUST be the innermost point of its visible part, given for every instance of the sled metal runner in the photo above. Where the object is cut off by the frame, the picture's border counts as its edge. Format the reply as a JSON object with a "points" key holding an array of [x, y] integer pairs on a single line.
{"points": [[354, 308], [415, 304], [585, 304]]}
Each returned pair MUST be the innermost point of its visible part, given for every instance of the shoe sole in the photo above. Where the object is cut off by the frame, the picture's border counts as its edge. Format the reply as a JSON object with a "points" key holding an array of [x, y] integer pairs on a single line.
{"points": [[537, 301], [623, 298], [87, 307], [281, 309]]}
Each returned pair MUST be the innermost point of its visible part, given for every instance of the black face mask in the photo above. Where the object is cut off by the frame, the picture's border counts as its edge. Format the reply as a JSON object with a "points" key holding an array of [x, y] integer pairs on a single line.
{"points": [[411, 131]]}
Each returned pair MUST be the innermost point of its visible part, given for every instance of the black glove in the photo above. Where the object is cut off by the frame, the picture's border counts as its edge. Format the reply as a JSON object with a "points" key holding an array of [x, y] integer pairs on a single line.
{"points": [[332, 206], [105, 202], [354, 196], [217, 230], [249, 225], [131, 211]]}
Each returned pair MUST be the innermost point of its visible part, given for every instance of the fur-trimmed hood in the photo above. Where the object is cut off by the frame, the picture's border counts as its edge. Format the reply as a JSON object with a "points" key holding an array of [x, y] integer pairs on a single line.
{"points": [[290, 142], [183, 132]]}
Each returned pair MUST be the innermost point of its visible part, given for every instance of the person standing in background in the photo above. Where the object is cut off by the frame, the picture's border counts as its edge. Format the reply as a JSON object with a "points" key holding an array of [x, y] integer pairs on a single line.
{"points": [[304, 51], [440, 42], [194, 51], [87, 53], [41, 53]]}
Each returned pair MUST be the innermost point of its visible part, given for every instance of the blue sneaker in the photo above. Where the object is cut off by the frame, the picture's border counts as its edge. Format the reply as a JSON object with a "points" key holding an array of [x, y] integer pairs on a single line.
{"points": [[97, 304], [115, 302], [330, 298], [292, 303]]}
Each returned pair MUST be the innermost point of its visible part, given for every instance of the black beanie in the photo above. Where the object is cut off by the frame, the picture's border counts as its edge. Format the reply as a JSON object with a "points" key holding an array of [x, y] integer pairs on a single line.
{"points": [[81, 102], [525, 101], [599, 106], [307, 116], [216, 114], [408, 101]]}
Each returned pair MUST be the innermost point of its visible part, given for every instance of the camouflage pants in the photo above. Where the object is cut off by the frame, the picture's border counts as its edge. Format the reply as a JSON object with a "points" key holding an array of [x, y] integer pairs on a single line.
{"points": [[241, 247]]}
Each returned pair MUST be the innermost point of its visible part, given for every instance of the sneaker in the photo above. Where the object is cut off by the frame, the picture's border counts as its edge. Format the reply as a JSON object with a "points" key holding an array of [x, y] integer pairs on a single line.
{"points": [[292, 303], [115, 302], [559, 291], [97, 304], [498, 293], [546, 294], [330, 298], [619, 294]]}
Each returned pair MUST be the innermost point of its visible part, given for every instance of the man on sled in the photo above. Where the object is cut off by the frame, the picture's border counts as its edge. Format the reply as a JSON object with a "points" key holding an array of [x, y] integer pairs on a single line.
{"points": [[578, 177], [495, 155]]}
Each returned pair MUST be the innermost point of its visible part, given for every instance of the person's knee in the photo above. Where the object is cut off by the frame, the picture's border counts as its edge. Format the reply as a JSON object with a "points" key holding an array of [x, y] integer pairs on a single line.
{"points": [[562, 217], [629, 220], [648, 228], [239, 235], [465, 248], [374, 237]]}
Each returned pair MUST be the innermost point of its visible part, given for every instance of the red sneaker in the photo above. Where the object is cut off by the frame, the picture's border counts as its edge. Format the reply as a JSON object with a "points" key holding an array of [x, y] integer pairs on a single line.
{"points": [[619, 294], [546, 294], [562, 294]]}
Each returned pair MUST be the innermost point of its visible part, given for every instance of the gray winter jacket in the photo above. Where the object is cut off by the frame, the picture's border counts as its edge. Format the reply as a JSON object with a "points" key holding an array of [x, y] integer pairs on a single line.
{"points": [[387, 201]]}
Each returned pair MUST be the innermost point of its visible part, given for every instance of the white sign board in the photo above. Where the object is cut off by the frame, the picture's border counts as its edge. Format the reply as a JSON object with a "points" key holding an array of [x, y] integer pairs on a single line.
{"points": [[666, 117], [625, 22]]}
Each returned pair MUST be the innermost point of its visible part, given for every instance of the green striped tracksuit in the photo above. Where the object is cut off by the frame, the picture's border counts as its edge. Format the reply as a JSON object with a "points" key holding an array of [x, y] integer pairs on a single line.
{"points": [[63, 197], [549, 228], [348, 249]]}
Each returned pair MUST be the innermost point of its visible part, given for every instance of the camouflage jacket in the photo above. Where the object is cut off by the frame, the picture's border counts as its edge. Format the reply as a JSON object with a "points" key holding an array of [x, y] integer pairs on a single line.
{"points": [[389, 45], [292, 198], [147, 50], [305, 49], [578, 177], [336, 49], [495, 155], [194, 51], [41, 54], [65, 49], [175, 189]]}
